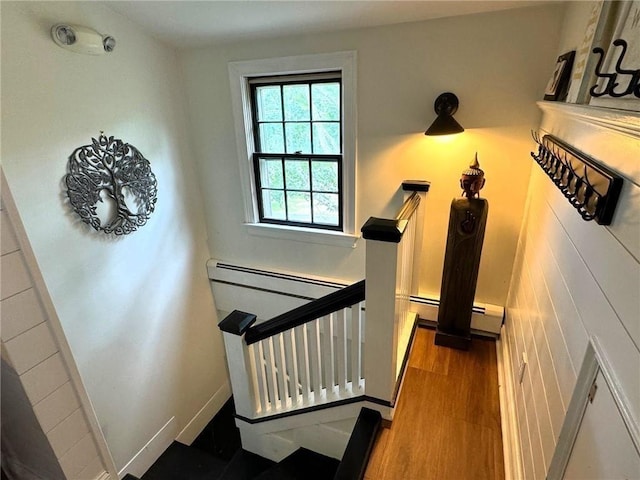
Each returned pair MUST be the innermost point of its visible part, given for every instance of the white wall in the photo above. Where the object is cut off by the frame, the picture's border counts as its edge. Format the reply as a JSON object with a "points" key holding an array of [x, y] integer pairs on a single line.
{"points": [[136, 310], [497, 64], [574, 282]]}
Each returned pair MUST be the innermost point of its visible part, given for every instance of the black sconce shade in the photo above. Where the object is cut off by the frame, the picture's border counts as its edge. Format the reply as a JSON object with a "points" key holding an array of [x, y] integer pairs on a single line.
{"points": [[445, 106]]}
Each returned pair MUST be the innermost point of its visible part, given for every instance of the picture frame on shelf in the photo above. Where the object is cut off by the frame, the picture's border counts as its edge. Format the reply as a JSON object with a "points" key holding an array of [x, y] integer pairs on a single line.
{"points": [[616, 73], [584, 62], [558, 85]]}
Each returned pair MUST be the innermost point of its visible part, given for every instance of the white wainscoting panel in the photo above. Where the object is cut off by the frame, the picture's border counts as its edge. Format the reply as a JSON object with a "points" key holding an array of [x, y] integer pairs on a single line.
{"points": [[572, 281]]}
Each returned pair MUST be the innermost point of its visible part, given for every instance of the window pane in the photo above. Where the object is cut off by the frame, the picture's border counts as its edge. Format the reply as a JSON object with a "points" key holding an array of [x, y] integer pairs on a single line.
{"points": [[325, 99], [325, 176], [299, 205], [296, 102], [273, 204], [297, 174], [271, 175], [269, 104], [298, 137], [271, 138], [326, 138], [325, 208]]}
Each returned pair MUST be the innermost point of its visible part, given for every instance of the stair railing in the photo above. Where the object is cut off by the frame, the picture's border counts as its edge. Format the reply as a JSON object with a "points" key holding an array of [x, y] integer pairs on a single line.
{"points": [[317, 354], [309, 356], [392, 253]]}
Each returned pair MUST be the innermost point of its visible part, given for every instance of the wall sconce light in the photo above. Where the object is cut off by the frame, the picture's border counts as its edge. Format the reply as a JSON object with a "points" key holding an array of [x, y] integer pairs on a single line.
{"points": [[445, 106], [80, 39]]}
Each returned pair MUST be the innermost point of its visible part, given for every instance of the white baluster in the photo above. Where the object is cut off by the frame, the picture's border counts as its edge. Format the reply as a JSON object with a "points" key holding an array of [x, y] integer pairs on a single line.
{"points": [[356, 325], [281, 369], [341, 349], [302, 355], [291, 365], [327, 353], [315, 358], [272, 381], [257, 362]]}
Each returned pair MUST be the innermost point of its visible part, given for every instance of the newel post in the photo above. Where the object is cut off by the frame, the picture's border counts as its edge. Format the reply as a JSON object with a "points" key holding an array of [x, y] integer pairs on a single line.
{"points": [[233, 328], [383, 236]]}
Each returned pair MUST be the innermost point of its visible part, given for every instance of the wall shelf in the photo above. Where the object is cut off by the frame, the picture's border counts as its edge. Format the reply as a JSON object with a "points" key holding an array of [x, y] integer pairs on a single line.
{"points": [[622, 121]]}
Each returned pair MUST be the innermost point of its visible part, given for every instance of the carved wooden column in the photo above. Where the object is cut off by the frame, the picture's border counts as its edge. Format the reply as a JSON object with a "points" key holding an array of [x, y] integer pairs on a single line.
{"points": [[467, 223]]}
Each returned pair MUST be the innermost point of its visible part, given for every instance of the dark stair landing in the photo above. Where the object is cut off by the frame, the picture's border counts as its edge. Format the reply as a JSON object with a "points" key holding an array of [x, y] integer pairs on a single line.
{"points": [[245, 466], [302, 464], [217, 454], [180, 462]]}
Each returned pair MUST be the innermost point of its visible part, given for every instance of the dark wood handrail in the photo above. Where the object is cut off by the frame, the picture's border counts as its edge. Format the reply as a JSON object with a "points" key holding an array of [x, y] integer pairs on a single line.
{"points": [[408, 207], [388, 230], [333, 302]]}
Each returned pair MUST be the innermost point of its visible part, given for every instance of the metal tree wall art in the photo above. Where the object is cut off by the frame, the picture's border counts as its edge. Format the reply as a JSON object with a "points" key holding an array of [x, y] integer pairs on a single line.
{"points": [[117, 174]]}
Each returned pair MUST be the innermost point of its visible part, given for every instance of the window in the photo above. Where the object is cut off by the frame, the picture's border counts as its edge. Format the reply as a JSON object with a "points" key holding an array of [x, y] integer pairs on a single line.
{"points": [[295, 128], [297, 164]]}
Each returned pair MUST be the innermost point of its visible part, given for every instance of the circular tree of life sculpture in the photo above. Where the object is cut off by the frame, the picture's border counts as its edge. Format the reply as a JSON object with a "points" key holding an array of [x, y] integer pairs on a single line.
{"points": [[111, 172]]}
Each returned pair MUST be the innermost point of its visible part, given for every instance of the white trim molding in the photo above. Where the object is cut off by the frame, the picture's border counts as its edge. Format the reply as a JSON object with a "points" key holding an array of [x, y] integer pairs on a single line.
{"points": [[595, 360], [621, 121], [511, 446], [200, 420], [299, 234], [142, 461], [241, 72]]}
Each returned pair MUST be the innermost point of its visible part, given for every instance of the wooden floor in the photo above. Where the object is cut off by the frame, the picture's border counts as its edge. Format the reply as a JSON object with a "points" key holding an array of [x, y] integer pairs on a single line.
{"points": [[447, 421]]}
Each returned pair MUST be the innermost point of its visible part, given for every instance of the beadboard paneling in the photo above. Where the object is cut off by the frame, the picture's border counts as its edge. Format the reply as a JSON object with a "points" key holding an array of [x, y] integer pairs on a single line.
{"points": [[32, 347], [30, 344], [15, 278], [54, 408], [20, 313]]}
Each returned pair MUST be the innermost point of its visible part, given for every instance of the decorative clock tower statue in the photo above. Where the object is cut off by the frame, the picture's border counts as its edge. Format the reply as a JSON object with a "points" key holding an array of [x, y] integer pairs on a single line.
{"points": [[467, 222]]}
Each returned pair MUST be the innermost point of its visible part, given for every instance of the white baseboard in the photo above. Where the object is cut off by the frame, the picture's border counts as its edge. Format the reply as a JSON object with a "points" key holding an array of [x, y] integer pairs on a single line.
{"points": [[486, 319], [204, 416], [103, 476], [146, 457], [508, 419]]}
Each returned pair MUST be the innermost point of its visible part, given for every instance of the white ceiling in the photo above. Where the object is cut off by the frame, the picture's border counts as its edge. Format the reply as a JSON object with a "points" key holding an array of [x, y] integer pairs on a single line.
{"points": [[199, 23]]}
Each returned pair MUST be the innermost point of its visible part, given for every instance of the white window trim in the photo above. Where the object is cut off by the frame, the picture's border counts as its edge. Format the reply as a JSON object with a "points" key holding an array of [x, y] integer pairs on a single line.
{"points": [[239, 73]]}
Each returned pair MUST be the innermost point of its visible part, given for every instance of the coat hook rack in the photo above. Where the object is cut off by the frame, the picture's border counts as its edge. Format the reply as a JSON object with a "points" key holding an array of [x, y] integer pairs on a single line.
{"points": [[590, 187]]}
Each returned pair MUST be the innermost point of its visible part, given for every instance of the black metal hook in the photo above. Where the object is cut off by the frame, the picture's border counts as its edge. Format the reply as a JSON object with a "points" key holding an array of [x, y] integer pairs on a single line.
{"points": [[591, 188]]}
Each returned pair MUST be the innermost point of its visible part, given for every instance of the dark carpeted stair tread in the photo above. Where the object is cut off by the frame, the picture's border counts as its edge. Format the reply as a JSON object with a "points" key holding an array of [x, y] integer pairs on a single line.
{"points": [[356, 455], [221, 437], [245, 466], [302, 464], [180, 462]]}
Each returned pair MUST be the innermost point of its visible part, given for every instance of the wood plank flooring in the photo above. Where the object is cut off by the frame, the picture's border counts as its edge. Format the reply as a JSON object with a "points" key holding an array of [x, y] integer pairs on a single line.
{"points": [[447, 421]]}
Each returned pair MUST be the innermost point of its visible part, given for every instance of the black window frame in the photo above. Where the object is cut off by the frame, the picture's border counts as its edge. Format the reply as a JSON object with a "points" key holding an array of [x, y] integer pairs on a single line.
{"points": [[297, 79]]}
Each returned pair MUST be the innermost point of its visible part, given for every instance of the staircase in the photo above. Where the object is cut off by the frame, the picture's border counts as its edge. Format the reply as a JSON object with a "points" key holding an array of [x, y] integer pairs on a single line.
{"points": [[181, 462], [312, 385], [305, 380]]}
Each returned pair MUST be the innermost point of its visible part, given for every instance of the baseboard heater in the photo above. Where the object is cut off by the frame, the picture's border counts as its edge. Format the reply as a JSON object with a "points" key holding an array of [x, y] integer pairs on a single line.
{"points": [[267, 293]]}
